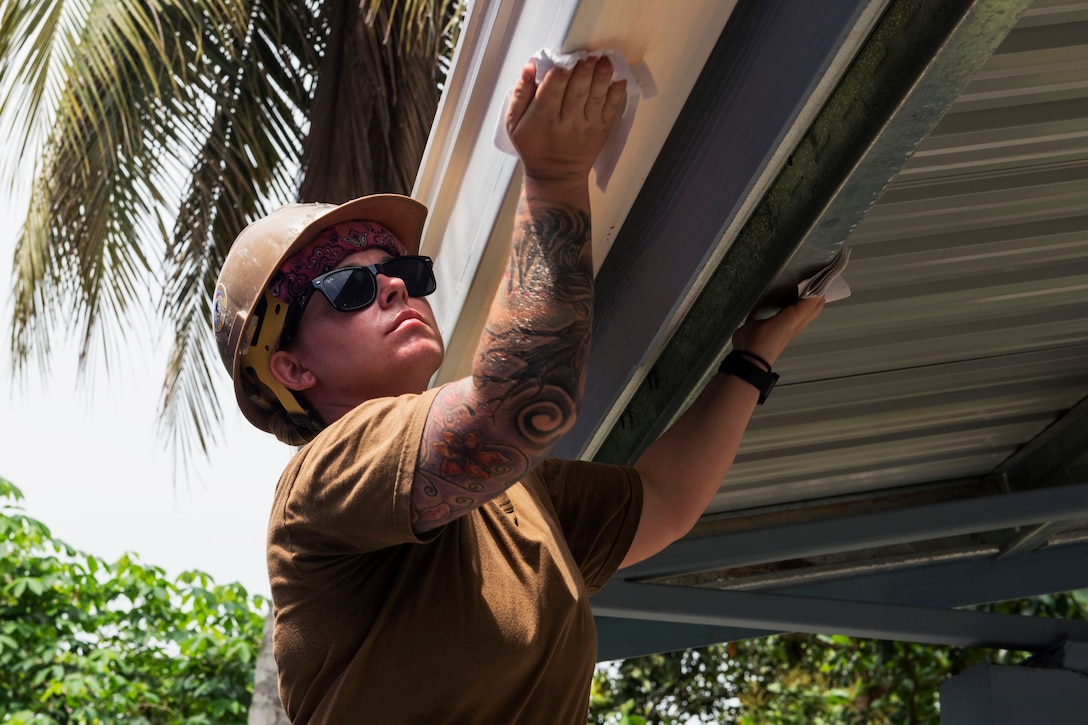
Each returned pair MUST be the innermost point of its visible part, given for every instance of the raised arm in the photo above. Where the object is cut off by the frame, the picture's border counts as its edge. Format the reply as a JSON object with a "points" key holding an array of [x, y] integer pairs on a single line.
{"points": [[682, 470], [486, 431]]}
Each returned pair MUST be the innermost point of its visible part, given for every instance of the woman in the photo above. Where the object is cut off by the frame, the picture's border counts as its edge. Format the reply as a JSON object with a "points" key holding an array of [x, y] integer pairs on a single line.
{"points": [[427, 561]]}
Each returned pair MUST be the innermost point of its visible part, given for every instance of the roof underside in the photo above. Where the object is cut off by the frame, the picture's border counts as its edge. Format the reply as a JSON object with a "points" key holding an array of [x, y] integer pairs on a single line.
{"points": [[926, 444]]}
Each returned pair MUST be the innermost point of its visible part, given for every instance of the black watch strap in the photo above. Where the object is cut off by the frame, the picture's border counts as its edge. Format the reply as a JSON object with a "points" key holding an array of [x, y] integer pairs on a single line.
{"points": [[735, 363]]}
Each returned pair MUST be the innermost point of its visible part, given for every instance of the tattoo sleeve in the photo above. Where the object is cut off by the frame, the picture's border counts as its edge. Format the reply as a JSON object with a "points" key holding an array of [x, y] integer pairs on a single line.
{"points": [[486, 431]]}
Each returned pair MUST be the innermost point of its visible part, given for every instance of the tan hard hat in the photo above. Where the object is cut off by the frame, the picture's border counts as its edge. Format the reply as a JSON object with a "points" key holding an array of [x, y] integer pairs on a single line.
{"points": [[247, 319]]}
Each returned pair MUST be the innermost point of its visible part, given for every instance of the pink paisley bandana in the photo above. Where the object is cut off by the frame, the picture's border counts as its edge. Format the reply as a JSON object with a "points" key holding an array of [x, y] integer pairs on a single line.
{"points": [[322, 254]]}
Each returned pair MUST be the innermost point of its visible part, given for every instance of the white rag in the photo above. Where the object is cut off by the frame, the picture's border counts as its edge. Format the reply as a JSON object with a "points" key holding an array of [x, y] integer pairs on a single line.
{"points": [[828, 282], [640, 84]]}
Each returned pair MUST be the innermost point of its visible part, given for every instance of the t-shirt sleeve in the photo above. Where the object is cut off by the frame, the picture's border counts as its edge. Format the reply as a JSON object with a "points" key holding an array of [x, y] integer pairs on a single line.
{"points": [[349, 490], [598, 506]]}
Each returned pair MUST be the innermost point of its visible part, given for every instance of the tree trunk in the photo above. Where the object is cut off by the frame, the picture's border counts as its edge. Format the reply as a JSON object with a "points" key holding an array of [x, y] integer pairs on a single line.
{"points": [[372, 110], [266, 708]]}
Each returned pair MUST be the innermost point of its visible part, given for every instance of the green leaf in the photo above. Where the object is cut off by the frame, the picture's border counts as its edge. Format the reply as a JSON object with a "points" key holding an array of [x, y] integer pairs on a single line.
{"points": [[76, 638]]}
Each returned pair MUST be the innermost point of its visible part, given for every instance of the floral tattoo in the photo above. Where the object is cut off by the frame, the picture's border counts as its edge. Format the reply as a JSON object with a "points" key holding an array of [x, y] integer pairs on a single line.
{"points": [[488, 430]]}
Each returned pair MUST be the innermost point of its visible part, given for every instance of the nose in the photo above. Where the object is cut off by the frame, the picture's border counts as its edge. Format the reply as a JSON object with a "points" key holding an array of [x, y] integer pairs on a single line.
{"points": [[390, 289]]}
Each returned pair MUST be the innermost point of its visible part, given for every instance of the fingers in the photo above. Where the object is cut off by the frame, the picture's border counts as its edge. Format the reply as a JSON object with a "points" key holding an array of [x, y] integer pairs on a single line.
{"points": [[768, 338], [805, 311], [601, 88], [614, 102], [811, 310], [578, 88], [552, 90], [585, 91], [522, 96], [795, 318], [558, 126]]}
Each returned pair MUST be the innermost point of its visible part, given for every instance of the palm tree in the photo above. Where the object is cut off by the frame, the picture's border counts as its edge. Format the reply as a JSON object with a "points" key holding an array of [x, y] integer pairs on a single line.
{"points": [[156, 129]]}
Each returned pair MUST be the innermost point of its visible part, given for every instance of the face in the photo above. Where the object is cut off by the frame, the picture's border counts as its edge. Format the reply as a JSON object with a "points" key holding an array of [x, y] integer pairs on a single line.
{"points": [[389, 348]]}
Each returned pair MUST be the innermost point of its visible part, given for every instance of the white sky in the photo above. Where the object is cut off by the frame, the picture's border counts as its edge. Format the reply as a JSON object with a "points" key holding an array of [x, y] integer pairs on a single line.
{"points": [[86, 456]]}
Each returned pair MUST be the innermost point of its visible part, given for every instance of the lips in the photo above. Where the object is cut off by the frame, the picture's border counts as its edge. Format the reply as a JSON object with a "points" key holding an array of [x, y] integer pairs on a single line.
{"points": [[403, 317]]}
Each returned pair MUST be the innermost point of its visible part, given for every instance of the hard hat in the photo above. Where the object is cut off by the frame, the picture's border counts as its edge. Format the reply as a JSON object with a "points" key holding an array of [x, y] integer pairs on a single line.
{"points": [[247, 319]]}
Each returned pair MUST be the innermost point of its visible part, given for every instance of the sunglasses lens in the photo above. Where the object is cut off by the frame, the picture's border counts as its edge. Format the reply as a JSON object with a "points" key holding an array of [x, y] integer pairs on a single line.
{"points": [[415, 271], [351, 288]]}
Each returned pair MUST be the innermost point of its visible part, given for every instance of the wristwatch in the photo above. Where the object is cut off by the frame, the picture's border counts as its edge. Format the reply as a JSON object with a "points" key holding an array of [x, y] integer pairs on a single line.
{"points": [[735, 363]]}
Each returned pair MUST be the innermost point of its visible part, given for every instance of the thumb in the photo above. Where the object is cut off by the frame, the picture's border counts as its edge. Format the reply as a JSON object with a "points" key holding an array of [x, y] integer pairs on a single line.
{"points": [[521, 96]]}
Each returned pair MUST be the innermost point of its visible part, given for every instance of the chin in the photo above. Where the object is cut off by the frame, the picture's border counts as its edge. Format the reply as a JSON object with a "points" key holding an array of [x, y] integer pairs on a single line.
{"points": [[422, 365]]}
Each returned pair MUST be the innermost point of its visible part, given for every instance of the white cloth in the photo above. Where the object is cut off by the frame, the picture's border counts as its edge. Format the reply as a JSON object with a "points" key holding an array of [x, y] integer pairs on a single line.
{"points": [[640, 84], [828, 282]]}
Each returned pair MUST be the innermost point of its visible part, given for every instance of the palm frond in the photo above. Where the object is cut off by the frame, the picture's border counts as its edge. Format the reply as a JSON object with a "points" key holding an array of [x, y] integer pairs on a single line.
{"points": [[37, 40], [425, 22], [96, 187], [245, 153]]}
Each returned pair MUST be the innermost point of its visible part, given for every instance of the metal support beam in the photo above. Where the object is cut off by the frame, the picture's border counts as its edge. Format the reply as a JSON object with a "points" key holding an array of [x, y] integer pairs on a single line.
{"points": [[777, 612], [944, 585], [1047, 451], [997, 695], [621, 637], [1069, 655], [1032, 538], [882, 528]]}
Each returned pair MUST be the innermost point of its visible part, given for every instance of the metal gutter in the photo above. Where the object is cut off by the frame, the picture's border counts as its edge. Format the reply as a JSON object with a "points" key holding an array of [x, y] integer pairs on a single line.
{"points": [[910, 69], [770, 73]]}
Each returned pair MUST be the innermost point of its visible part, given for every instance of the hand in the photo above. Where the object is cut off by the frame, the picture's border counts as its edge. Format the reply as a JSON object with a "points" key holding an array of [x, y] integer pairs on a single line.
{"points": [[560, 126], [768, 338]]}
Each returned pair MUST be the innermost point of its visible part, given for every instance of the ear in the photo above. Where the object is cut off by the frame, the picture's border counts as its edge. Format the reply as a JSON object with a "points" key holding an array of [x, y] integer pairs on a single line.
{"points": [[289, 371]]}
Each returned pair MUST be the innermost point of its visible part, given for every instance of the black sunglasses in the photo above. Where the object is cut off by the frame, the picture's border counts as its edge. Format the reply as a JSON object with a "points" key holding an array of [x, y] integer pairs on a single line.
{"points": [[349, 289]]}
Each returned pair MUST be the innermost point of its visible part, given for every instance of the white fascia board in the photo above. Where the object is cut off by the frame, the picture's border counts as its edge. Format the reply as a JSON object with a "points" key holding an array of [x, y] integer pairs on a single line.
{"points": [[471, 187]]}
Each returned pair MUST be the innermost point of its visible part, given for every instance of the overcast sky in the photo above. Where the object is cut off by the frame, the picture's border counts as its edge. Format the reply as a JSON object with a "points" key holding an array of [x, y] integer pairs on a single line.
{"points": [[86, 456]]}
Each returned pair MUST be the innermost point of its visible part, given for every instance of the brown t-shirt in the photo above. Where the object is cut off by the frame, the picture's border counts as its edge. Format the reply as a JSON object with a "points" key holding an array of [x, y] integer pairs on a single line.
{"points": [[484, 620]]}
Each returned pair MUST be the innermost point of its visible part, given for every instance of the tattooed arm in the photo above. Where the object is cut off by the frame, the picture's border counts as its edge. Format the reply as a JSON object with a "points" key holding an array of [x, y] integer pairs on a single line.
{"points": [[486, 431]]}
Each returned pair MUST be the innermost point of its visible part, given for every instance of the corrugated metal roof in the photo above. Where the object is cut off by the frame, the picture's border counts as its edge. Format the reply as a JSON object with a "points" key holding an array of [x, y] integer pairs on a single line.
{"points": [[967, 332]]}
